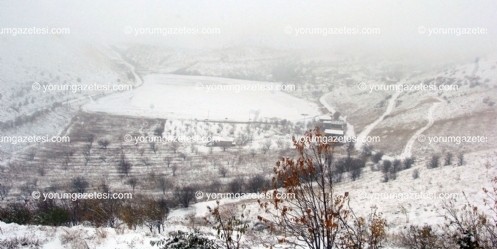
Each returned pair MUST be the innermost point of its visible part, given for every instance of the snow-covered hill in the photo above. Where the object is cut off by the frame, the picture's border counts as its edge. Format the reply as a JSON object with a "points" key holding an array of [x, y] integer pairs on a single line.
{"points": [[466, 107], [44, 79]]}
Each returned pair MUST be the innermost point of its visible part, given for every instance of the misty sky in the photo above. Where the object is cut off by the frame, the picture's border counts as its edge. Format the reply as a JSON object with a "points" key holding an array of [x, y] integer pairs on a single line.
{"points": [[263, 23]]}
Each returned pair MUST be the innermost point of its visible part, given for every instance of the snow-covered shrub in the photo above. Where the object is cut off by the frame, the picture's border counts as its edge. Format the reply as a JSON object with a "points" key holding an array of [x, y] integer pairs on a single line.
{"points": [[415, 174], [22, 242], [183, 240]]}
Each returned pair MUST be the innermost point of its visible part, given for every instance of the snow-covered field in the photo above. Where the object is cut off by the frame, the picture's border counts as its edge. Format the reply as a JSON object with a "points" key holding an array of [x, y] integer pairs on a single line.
{"points": [[175, 105], [423, 205], [183, 99], [191, 97], [216, 106]]}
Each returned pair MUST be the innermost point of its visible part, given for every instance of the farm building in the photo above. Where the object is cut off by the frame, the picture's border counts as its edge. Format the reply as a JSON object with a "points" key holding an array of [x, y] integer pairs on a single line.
{"points": [[221, 142], [332, 127]]}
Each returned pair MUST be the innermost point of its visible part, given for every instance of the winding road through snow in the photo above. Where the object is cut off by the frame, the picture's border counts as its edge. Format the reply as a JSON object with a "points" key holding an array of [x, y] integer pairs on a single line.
{"points": [[408, 148], [365, 132]]}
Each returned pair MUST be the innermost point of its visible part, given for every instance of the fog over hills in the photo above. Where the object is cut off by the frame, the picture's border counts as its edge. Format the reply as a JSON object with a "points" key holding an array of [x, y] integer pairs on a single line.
{"points": [[248, 124]]}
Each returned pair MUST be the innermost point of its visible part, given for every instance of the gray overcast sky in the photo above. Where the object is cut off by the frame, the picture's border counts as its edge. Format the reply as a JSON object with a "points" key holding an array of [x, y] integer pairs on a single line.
{"points": [[264, 22]]}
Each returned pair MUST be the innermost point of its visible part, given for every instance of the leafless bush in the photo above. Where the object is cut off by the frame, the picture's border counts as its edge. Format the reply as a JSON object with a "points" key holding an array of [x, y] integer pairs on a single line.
{"points": [[223, 171], [20, 242], [103, 143], [421, 238], [4, 191], [79, 184], [164, 184], [74, 239]]}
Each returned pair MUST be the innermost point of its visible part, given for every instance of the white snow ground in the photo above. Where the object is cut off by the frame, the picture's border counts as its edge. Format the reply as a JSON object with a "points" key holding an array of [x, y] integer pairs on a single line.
{"points": [[189, 97], [365, 193]]}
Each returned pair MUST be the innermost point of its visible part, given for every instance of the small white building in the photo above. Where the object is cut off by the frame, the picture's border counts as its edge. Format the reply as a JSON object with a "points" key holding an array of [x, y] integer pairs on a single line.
{"points": [[332, 127], [221, 142]]}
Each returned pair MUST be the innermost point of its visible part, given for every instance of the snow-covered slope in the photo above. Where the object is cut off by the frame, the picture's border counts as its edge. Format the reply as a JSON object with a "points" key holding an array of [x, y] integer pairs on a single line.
{"points": [[466, 109], [43, 80], [404, 201]]}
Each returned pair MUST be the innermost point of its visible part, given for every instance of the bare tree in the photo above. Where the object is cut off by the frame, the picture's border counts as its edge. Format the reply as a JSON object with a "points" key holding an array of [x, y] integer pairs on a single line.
{"points": [[223, 171], [185, 195], [124, 166], [153, 147], [174, 168], [90, 138], [448, 159], [408, 162], [386, 169], [229, 223], [168, 160], [103, 143], [41, 170], [266, 146], [28, 187], [257, 183], [242, 139], [67, 154], [434, 162], [87, 153], [350, 147], [79, 184], [415, 174], [215, 186], [460, 159], [159, 130], [31, 154], [313, 214], [154, 213], [280, 143], [133, 181], [377, 157], [182, 155], [4, 191], [236, 185], [145, 161], [174, 146], [164, 184], [366, 151]]}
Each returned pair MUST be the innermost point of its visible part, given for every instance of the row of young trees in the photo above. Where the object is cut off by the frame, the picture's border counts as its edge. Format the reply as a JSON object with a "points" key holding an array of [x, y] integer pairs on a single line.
{"points": [[97, 212], [448, 160]]}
